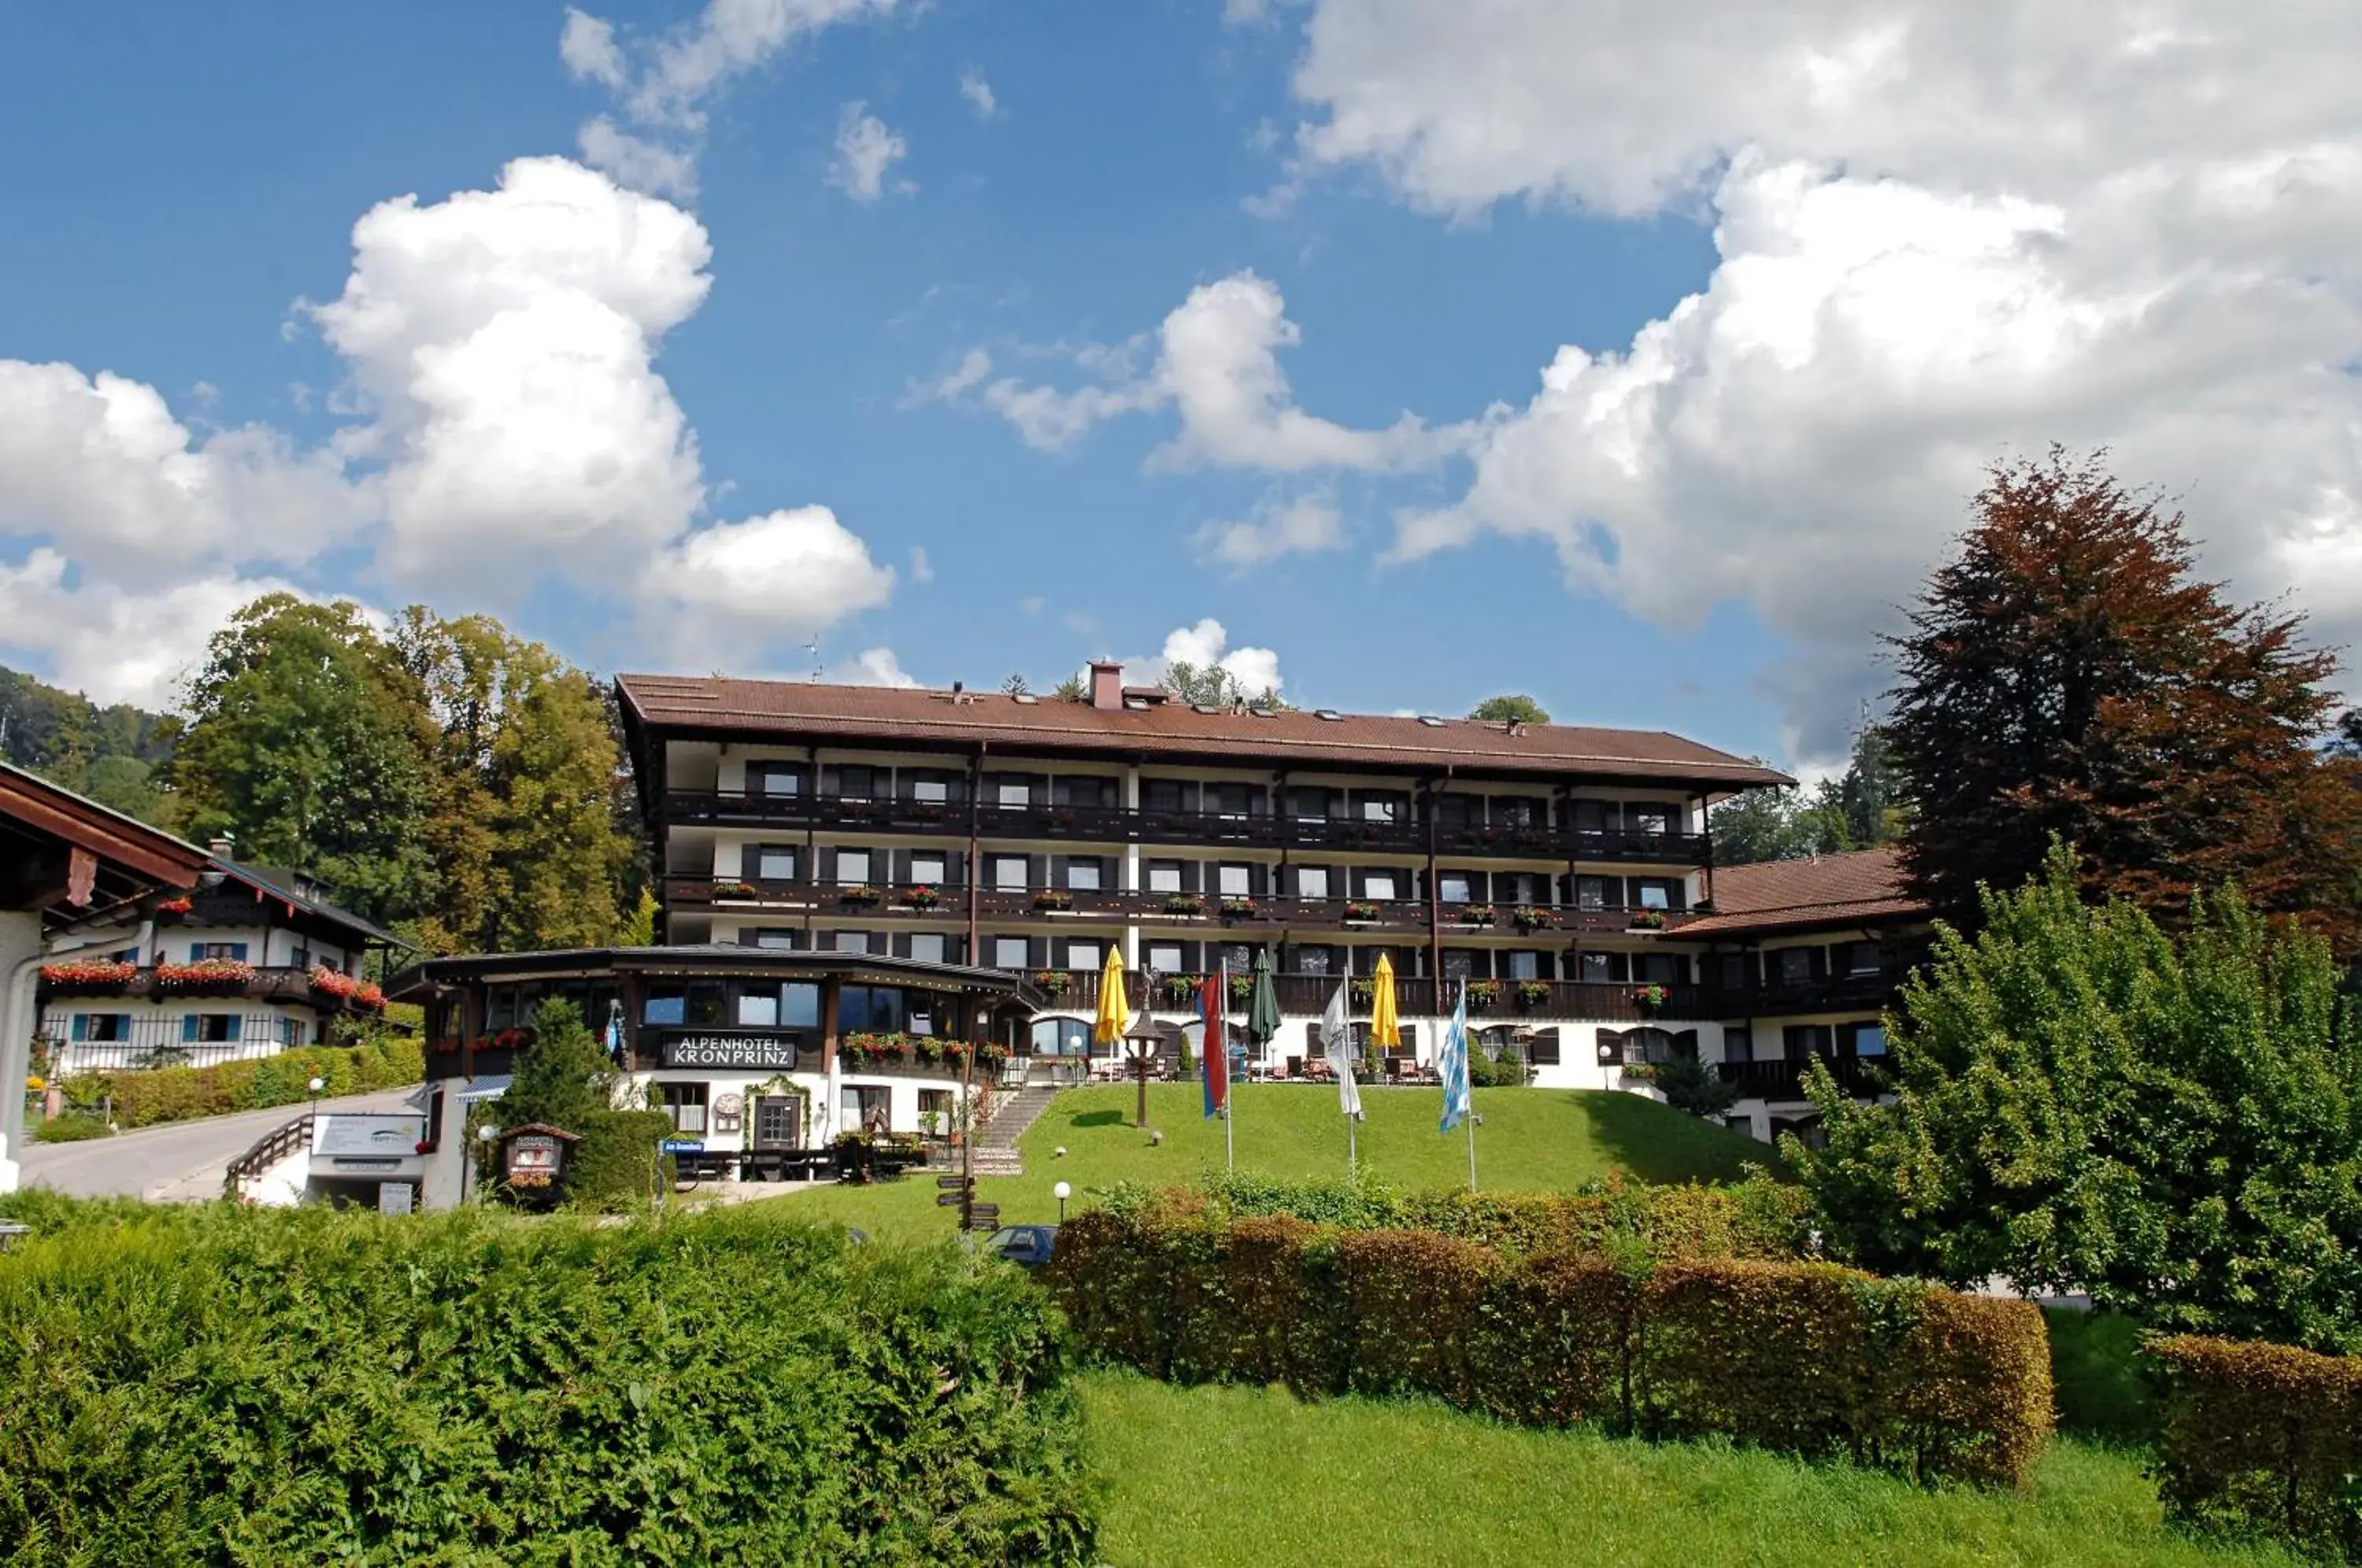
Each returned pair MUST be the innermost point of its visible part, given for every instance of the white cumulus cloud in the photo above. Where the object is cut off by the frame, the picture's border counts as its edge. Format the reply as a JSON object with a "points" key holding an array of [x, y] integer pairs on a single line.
{"points": [[1208, 643], [725, 592], [1281, 526], [978, 93], [866, 150], [116, 644]]}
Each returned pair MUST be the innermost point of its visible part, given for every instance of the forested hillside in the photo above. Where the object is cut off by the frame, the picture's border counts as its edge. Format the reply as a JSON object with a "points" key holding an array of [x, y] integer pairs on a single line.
{"points": [[109, 753]]}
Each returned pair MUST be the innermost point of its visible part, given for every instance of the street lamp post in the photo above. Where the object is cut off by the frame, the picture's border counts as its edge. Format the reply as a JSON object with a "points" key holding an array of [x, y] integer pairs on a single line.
{"points": [[484, 1136], [317, 1085], [1062, 1192]]}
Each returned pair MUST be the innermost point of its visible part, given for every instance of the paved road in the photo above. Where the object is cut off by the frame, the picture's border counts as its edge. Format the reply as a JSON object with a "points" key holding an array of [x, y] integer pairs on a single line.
{"points": [[178, 1160]]}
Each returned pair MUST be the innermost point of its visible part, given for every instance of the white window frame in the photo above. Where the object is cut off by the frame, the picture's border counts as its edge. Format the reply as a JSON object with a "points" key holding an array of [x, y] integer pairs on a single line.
{"points": [[1321, 873], [1082, 875], [1165, 876], [1001, 952], [1378, 887], [845, 878], [931, 868], [937, 945], [1454, 888], [1000, 864], [1245, 880]]}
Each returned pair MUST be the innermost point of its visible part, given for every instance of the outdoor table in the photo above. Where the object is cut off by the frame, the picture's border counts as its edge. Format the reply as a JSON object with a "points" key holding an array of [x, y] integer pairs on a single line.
{"points": [[9, 1231]]}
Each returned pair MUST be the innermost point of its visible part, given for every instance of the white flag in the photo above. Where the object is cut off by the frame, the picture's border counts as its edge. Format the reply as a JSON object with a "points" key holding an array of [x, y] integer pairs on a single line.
{"points": [[1336, 1042]]}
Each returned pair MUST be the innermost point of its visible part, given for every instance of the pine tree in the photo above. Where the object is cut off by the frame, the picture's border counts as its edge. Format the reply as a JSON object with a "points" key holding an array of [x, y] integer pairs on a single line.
{"points": [[2066, 676]]}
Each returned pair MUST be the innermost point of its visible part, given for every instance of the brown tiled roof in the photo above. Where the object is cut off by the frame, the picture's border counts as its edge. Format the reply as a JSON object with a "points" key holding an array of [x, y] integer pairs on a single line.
{"points": [[800, 710], [1833, 889]]}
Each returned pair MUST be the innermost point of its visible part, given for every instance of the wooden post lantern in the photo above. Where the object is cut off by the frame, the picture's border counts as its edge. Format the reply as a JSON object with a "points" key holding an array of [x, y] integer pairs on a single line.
{"points": [[533, 1156]]}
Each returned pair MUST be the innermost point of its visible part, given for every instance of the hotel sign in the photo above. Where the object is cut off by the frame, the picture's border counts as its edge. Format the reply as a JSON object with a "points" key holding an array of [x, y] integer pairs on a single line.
{"points": [[732, 1053]]}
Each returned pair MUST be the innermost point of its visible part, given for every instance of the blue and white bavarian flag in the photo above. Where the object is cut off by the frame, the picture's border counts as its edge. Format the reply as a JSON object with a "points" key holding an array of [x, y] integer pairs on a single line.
{"points": [[1336, 1042], [1451, 1064]]}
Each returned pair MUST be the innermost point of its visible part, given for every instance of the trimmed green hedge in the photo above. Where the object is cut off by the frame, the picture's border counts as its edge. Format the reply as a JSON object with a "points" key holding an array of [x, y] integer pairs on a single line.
{"points": [[177, 1094], [1805, 1358], [309, 1386], [1757, 1217], [2259, 1440]]}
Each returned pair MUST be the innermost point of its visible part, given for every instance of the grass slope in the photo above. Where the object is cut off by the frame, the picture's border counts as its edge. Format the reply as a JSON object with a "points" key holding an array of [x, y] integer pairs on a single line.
{"points": [[1532, 1140], [1215, 1476]]}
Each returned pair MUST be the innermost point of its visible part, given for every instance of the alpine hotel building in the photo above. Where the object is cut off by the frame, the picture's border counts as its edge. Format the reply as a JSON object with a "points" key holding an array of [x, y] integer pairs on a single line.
{"points": [[1566, 873]]}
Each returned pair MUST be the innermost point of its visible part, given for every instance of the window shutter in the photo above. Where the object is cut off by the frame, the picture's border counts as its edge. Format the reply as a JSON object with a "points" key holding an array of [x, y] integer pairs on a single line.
{"points": [[1312, 1037], [188, 1026], [956, 867], [1058, 864], [80, 1026], [1410, 1039], [1189, 883], [901, 944], [1686, 1044], [237, 951], [196, 951], [897, 866]]}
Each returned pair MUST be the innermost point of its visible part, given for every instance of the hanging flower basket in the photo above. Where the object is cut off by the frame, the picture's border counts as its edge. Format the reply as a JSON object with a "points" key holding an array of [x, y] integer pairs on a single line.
{"points": [[1179, 988], [1528, 918], [371, 995], [1476, 914], [89, 977], [1241, 990], [1185, 904]]}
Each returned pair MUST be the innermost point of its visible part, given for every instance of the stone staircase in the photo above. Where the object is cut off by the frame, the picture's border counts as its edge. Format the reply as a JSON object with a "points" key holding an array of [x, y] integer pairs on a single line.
{"points": [[996, 1151]]}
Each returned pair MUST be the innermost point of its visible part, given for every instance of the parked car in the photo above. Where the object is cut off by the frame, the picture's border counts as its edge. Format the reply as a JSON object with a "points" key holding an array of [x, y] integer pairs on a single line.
{"points": [[1027, 1246]]}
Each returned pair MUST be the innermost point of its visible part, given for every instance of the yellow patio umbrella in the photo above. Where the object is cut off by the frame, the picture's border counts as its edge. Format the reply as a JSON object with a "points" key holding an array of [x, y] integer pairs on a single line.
{"points": [[1115, 1009], [1386, 1027]]}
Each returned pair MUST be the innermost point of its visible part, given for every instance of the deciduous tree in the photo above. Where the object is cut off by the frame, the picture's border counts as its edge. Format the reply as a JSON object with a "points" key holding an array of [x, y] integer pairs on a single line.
{"points": [[1515, 707], [2066, 674]]}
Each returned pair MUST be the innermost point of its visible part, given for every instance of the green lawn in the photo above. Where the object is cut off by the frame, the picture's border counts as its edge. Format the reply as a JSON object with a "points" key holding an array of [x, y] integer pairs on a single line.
{"points": [[1208, 1477], [1532, 1140]]}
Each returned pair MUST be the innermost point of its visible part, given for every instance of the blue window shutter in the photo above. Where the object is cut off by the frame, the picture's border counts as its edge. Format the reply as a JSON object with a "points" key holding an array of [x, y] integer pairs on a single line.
{"points": [[196, 951], [188, 1026], [81, 1026], [237, 951]]}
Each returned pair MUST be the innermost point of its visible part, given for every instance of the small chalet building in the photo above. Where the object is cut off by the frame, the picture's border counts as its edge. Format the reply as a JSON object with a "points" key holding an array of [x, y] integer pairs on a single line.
{"points": [[65, 863], [738, 1045], [1803, 957], [249, 962]]}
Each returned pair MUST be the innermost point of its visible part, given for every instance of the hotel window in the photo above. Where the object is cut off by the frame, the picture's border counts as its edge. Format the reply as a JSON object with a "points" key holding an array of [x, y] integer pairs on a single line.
{"points": [[1009, 952], [1521, 887], [1522, 966], [1164, 957], [1459, 964], [1795, 966], [1458, 810], [1602, 968], [1869, 1039], [1085, 792], [931, 947], [1737, 1045], [1378, 885], [758, 1008], [1312, 960], [1380, 809], [929, 870], [1517, 811], [200, 951], [930, 791], [1161, 794], [290, 1033], [1862, 958], [664, 1004], [935, 1109], [1165, 876], [1590, 892], [1653, 892], [209, 1028], [1660, 969], [705, 1009], [1452, 888], [776, 862], [1652, 821], [684, 1103], [852, 868], [774, 778], [1084, 955], [855, 783], [1805, 1039], [1082, 875], [852, 942], [875, 1008], [101, 1027], [1238, 957], [1237, 881], [1009, 873], [1308, 802], [1594, 816], [1312, 881], [1233, 799], [780, 939], [800, 1005], [1014, 792]]}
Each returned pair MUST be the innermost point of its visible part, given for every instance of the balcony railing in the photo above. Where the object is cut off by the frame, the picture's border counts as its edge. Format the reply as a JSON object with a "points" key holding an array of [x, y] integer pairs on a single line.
{"points": [[1493, 1001], [1784, 1079], [870, 901], [1837, 993], [160, 1043], [1148, 825]]}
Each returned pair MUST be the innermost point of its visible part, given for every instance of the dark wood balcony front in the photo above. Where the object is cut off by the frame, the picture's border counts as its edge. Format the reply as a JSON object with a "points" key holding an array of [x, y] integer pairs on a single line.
{"points": [[1535, 924], [177, 982], [1104, 825], [1784, 1079], [1307, 996], [1836, 993]]}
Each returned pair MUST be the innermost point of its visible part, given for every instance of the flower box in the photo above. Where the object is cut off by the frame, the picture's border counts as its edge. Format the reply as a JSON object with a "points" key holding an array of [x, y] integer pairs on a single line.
{"points": [[1640, 1072], [176, 906], [1649, 999], [89, 977], [1241, 990], [923, 898], [1475, 914], [859, 893], [1052, 982], [331, 984], [1238, 906], [1185, 904], [1646, 920], [1356, 909], [1051, 900], [1528, 918], [1533, 993], [205, 977], [733, 890], [1181, 988], [1484, 993]]}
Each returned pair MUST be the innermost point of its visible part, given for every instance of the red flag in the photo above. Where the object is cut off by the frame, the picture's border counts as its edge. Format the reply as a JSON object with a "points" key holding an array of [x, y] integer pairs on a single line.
{"points": [[1217, 1052]]}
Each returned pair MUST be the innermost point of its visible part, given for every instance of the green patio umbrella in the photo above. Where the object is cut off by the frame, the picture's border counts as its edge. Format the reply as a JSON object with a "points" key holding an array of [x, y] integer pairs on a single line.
{"points": [[1262, 1005]]}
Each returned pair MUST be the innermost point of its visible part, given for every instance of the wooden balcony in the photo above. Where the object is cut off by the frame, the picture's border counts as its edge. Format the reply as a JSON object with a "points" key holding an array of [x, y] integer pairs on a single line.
{"points": [[1211, 914], [270, 984], [1104, 825], [1837, 993], [1499, 1001], [1784, 1079]]}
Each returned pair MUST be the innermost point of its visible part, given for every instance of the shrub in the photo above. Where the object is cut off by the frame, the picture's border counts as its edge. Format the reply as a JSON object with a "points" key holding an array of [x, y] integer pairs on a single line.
{"points": [[70, 1128], [2261, 1440], [307, 1386], [617, 1165], [1805, 1358], [142, 1098], [1508, 1070]]}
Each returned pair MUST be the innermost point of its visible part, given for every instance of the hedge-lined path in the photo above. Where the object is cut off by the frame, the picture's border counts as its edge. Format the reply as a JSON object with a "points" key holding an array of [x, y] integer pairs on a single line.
{"points": [[175, 1161]]}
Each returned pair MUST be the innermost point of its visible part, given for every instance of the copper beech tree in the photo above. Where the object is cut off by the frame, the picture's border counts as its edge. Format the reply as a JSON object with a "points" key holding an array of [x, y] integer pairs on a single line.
{"points": [[2066, 674]]}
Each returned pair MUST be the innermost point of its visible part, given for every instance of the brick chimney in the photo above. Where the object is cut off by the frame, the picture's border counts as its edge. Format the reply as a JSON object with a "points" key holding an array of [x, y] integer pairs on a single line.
{"points": [[223, 846], [1107, 684]]}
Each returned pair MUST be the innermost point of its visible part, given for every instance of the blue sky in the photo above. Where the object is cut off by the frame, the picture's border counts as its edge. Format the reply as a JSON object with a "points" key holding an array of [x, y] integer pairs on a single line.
{"points": [[1036, 349]]}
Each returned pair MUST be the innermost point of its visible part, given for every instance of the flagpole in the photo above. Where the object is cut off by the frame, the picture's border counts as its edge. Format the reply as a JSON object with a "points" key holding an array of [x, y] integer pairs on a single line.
{"points": [[1229, 1089]]}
